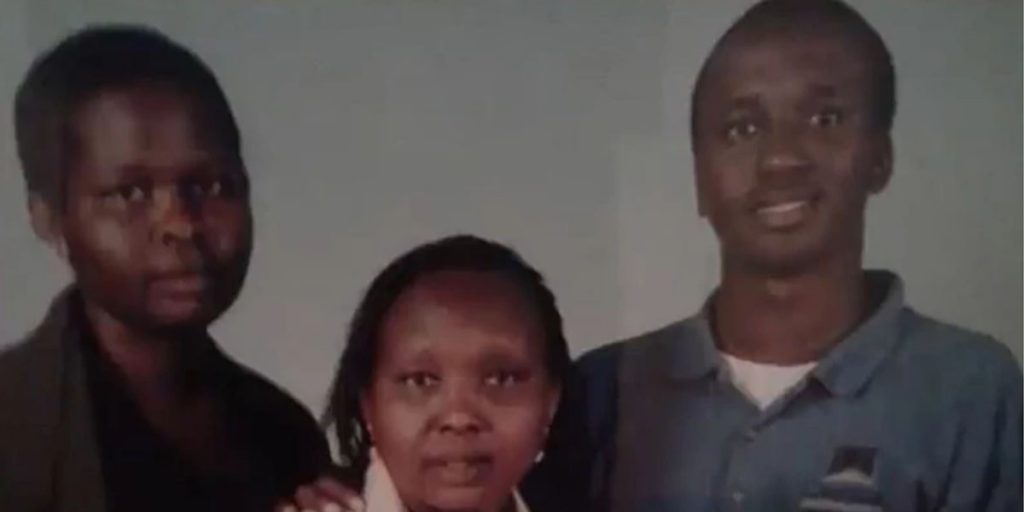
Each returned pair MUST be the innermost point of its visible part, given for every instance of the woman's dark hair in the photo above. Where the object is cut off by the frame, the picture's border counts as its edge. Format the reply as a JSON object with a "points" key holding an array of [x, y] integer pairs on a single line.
{"points": [[89, 61], [457, 253]]}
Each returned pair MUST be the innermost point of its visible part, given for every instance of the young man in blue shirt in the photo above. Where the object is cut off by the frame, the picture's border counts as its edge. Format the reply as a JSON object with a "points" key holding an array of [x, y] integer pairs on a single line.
{"points": [[806, 382]]}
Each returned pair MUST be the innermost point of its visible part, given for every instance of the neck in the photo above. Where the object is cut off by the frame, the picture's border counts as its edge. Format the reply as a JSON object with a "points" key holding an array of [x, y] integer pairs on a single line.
{"points": [[788, 319], [154, 364]]}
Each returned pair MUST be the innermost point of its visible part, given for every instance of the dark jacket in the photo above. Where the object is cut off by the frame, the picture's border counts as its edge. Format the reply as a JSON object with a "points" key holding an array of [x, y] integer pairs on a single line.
{"points": [[50, 459]]}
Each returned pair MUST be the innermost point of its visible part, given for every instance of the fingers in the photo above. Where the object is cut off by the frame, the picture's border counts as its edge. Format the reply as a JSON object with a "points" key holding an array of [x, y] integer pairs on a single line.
{"points": [[324, 495], [336, 492], [309, 499]]}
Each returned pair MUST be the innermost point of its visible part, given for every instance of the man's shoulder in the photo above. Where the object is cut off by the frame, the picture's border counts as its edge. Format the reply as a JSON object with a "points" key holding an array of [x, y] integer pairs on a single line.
{"points": [[950, 347], [650, 347], [41, 351], [965, 362], [14, 354], [253, 390], [23, 359], [291, 433]]}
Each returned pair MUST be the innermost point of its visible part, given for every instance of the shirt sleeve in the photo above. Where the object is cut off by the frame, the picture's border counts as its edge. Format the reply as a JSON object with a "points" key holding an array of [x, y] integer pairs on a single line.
{"points": [[986, 473], [575, 469], [561, 479]]}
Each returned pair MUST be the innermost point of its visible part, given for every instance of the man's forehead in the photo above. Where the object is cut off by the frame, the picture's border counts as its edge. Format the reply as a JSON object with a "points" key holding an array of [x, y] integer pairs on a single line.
{"points": [[834, 57], [118, 114], [146, 119]]}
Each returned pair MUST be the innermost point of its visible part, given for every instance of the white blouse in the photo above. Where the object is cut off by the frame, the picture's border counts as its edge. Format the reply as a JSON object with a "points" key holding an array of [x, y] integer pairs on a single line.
{"points": [[380, 494]]}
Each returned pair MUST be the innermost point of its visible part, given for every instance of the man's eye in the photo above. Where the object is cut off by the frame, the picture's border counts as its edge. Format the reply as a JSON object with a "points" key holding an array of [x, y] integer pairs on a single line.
{"points": [[201, 189], [418, 380], [827, 118], [127, 194], [504, 379], [740, 130]]}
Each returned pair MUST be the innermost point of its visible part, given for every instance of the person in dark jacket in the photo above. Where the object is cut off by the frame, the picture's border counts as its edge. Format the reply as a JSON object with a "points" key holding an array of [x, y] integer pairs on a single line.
{"points": [[120, 400]]}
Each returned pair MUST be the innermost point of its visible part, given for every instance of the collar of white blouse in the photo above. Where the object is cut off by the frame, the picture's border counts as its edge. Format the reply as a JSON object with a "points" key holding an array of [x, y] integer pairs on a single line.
{"points": [[381, 496]]}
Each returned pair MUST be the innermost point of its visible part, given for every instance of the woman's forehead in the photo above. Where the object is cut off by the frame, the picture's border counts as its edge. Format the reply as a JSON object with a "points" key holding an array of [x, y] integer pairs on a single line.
{"points": [[467, 293], [478, 307]]}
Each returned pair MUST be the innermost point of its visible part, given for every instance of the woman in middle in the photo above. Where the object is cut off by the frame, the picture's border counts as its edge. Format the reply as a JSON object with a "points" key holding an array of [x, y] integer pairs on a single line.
{"points": [[448, 386]]}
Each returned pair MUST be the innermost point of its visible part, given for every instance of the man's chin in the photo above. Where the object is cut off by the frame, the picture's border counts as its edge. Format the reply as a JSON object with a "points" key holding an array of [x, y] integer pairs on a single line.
{"points": [[180, 318], [784, 260]]}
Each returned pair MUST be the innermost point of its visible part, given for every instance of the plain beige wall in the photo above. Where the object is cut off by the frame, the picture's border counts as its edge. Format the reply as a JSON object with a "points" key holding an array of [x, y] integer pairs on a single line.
{"points": [[559, 127]]}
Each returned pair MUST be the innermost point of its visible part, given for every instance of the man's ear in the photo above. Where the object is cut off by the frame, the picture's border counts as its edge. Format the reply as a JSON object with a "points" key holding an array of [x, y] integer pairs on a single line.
{"points": [[46, 224], [881, 168], [702, 207]]}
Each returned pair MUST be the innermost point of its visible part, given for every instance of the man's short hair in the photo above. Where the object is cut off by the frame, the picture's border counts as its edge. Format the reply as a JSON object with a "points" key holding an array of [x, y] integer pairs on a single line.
{"points": [[808, 15], [87, 62]]}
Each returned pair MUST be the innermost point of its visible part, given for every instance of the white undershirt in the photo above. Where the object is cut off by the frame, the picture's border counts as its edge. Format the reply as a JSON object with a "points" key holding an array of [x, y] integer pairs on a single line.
{"points": [[764, 383]]}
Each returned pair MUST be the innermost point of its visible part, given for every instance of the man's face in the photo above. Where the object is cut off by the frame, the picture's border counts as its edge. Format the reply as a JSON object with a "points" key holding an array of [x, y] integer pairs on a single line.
{"points": [[787, 149], [461, 397], [156, 217]]}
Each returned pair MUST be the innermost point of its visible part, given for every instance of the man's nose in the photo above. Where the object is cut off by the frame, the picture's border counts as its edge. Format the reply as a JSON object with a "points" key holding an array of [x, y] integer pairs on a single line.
{"points": [[783, 152], [174, 215]]}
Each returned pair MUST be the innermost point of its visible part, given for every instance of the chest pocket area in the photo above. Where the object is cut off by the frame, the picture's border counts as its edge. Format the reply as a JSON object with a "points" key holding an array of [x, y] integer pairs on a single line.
{"points": [[866, 479]]}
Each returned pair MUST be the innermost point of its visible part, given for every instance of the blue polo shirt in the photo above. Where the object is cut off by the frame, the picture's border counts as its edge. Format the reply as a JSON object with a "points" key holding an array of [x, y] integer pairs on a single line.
{"points": [[905, 414]]}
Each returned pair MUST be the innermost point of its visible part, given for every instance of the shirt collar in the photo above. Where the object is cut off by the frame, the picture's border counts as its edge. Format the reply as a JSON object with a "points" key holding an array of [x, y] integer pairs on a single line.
{"points": [[848, 366], [693, 353], [381, 496]]}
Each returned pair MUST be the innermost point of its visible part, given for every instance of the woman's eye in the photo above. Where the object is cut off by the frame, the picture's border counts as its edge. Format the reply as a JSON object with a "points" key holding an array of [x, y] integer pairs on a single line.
{"points": [[739, 130], [827, 118], [418, 380], [504, 379]]}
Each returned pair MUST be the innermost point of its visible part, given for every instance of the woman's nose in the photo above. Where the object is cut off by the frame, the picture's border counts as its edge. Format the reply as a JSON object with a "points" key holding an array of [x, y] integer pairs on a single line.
{"points": [[460, 411]]}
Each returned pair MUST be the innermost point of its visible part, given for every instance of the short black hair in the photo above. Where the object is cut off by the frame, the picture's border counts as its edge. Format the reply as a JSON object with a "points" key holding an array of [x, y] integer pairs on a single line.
{"points": [[803, 15], [456, 253], [87, 62]]}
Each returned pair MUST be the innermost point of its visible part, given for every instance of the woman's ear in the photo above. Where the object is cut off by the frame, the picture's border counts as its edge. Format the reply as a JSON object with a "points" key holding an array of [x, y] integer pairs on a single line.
{"points": [[364, 410], [554, 399], [46, 224]]}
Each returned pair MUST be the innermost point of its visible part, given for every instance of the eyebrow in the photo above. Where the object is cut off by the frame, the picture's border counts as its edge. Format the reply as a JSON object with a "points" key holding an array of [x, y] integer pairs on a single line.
{"points": [[198, 166], [495, 356], [824, 90], [131, 172], [416, 355], [745, 102]]}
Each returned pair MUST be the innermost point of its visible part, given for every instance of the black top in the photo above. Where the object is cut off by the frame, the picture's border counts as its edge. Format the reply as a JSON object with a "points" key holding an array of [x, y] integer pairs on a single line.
{"points": [[279, 443]]}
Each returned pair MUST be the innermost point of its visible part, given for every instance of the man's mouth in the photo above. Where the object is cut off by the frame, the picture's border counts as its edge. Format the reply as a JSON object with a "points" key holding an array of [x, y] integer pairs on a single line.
{"points": [[181, 284], [784, 214]]}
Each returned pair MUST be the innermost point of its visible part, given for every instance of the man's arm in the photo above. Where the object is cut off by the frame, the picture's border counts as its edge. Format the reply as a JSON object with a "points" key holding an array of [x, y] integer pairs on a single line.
{"points": [[576, 469], [986, 473]]}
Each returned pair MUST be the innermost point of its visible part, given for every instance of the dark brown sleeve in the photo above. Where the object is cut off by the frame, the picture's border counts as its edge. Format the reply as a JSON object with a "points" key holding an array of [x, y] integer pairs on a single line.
{"points": [[285, 432]]}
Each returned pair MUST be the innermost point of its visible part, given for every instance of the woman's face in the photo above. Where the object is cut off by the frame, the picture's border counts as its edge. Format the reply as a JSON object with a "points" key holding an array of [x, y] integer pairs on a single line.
{"points": [[460, 401]]}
